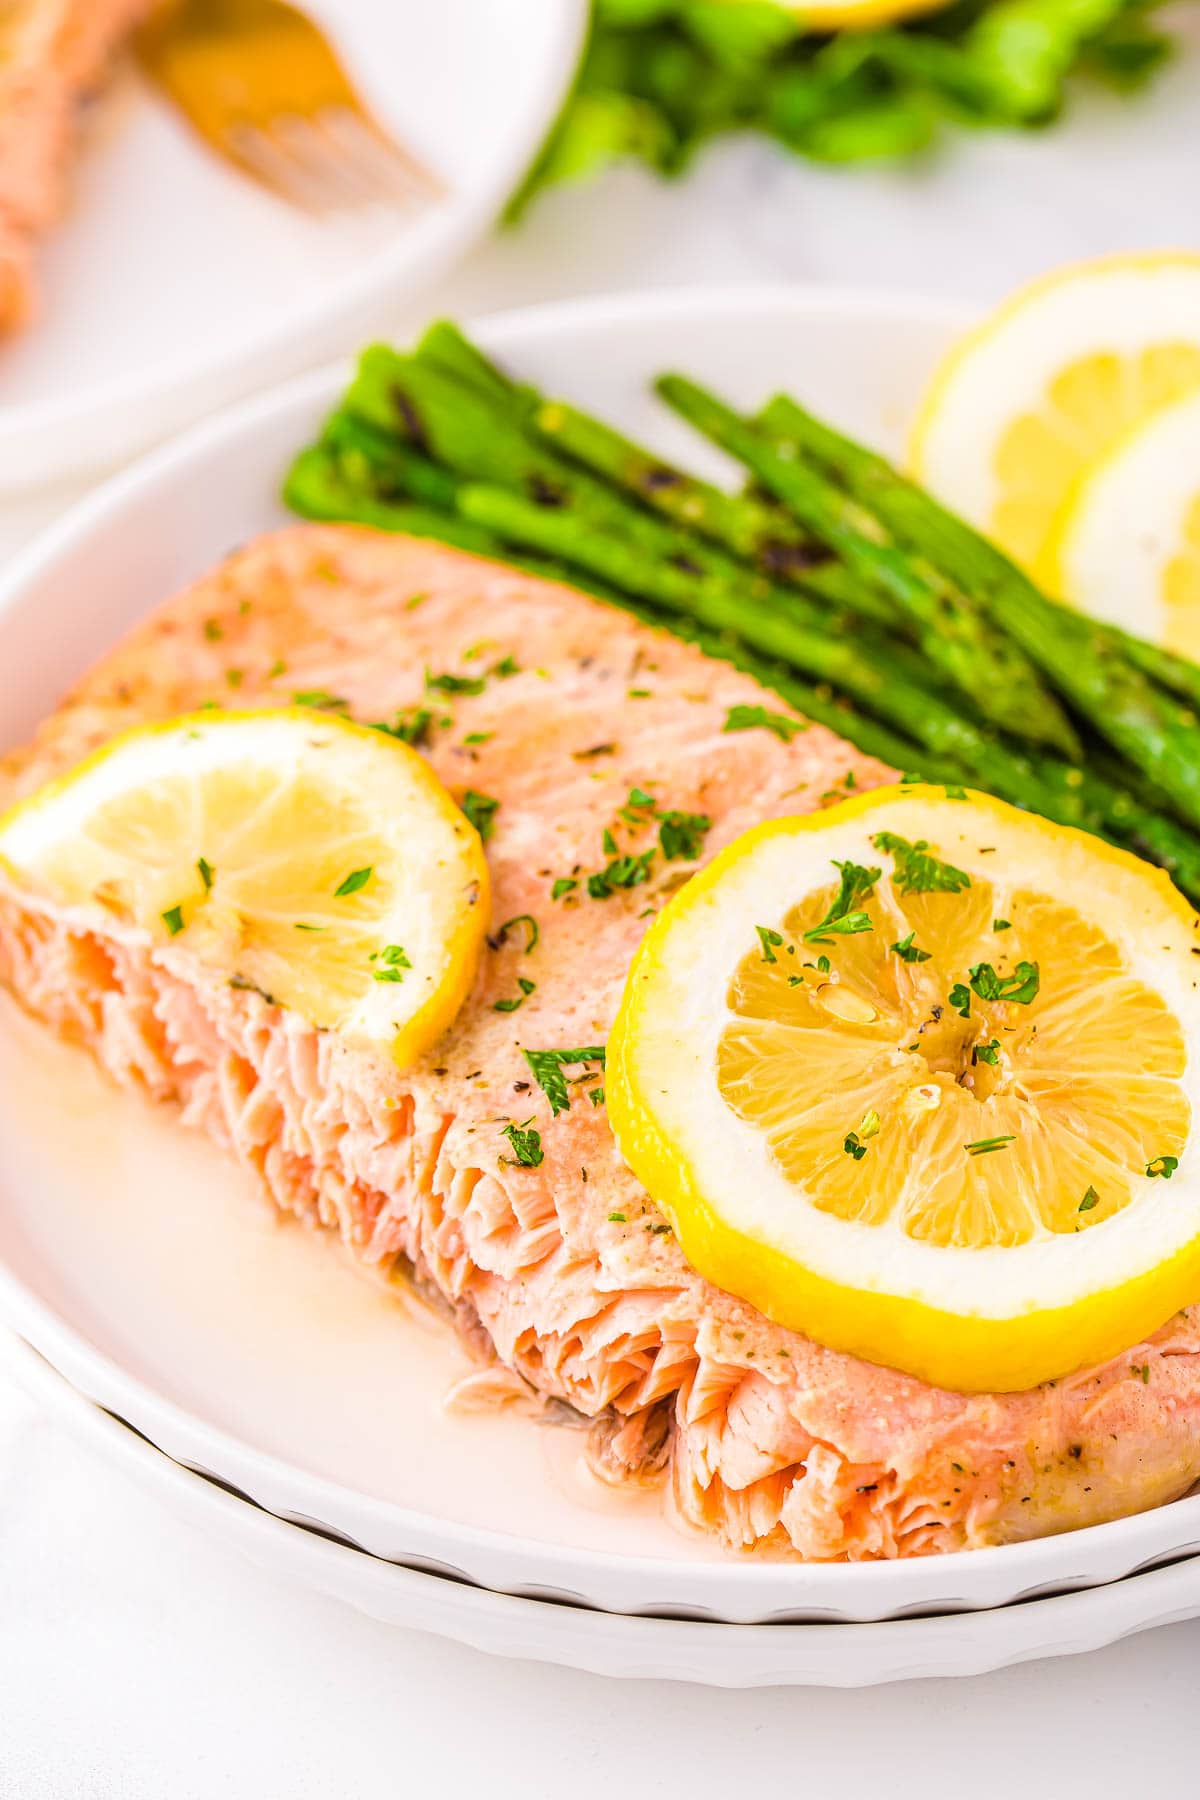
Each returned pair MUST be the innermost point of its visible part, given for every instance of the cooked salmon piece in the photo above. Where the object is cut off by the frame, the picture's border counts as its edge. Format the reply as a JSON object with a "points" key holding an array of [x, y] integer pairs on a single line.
{"points": [[53, 56], [565, 1273]]}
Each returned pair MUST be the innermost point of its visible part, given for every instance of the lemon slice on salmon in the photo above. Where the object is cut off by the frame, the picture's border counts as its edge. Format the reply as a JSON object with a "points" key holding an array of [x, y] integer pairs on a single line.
{"points": [[316, 861], [916, 1076], [1126, 545], [1050, 381]]}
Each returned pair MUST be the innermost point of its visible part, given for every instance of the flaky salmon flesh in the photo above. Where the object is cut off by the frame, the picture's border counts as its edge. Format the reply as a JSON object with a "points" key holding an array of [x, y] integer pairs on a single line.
{"points": [[53, 55], [769, 1441]]}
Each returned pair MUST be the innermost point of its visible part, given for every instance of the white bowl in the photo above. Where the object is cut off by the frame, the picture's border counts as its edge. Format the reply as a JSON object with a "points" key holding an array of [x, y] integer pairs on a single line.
{"points": [[131, 1256], [175, 285]]}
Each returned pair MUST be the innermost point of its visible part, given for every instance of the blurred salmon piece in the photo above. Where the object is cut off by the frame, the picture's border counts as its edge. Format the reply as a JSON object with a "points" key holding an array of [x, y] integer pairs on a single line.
{"points": [[54, 54]]}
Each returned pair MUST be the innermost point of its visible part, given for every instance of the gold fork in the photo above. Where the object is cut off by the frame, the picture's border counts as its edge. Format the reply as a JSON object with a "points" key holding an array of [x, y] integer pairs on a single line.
{"points": [[264, 88]]}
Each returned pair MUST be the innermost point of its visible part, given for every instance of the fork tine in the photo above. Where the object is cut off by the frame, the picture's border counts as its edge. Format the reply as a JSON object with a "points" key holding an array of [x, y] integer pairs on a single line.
{"points": [[393, 169], [324, 166], [261, 156]]}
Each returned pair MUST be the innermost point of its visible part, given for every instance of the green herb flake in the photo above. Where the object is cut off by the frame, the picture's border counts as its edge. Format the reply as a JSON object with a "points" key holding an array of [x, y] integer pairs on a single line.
{"points": [[987, 1053], [508, 665], [565, 884], [985, 1146], [206, 873], [213, 631], [547, 1068], [1001, 924], [960, 999], [870, 1125], [853, 1147], [479, 737], [235, 677], [856, 884], [955, 793], [454, 684], [908, 952], [617, 1219], [412, 726], [621, 872], [1090, 1199], [608, 843], [638, 693], [531, 930], [751, 718], [320, 700], [354, 882], [770, 941], [173, 920], [681, 835], [1142, 1371], [481, 809], [526, 1147], [918, 872], [526, 986], [1162, 1165], [1021, 987]]}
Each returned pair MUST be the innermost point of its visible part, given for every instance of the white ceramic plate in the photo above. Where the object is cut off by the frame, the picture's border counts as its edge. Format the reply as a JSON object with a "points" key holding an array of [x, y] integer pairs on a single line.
{"points": [[175, 286], [132, 1254], [815, 1655]]}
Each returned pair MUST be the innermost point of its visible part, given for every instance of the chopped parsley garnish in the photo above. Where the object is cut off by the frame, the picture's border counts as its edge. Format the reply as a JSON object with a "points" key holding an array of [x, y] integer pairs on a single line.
{"points": [[681, 835], [213, 631], [392, 964], [908, 952], [1162, 1165], [357, 878], [411, 725], [750, 718], [621, 872], [916, 871], [1090, 1199], [299, 926], [960, 999], [245, 986], [173, 920], [596, 1096], [235, 677], [526, 986], [205, 871], [526, 1147], [547, 1069], [617, 1219], [481, 809], [852, 1146], [985, 1146], [531, 930], [318, 698], [479, 737], [987, 1053], [564, 885], [1021, 987], [1142, 1371], [508, 665], [857, 883], [454, 684], [608, 843], [770, 941], [955, 793], [870, 1125], [1001, 924]]}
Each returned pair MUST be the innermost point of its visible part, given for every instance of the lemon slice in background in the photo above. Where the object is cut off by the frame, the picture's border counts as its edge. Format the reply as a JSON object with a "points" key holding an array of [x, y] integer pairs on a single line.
{"points": [[850, 15], [317, 861], [1049, 382], [1126, 544], [916, 1076]]}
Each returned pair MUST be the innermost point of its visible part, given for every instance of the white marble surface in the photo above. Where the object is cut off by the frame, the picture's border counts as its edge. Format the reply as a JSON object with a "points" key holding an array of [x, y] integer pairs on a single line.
{"points": [[139, 1660]]}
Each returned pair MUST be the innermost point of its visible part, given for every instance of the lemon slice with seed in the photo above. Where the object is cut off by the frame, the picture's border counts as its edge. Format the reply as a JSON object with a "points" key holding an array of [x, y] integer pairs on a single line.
{"points": [[314, 860], [916, 1076], [1050, 381]]}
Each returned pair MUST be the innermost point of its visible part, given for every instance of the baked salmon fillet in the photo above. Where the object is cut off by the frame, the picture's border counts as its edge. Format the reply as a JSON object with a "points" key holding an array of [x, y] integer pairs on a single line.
{"points": [[566, 1273], [53, 55]]}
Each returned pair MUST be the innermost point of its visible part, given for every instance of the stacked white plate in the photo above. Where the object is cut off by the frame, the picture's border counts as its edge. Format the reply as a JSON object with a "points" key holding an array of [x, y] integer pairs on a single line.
{"points": [[135, 1261]]}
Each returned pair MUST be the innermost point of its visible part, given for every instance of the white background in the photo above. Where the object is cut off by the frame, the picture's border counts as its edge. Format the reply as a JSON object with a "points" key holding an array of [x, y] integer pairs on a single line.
{"points": [[139, 1660]]}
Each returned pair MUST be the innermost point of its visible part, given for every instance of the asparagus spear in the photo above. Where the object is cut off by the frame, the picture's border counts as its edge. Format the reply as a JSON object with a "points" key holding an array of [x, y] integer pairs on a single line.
{"points": [[958, 640], [316, 488], [873, 481], [784, 633], [1105, 672]]}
